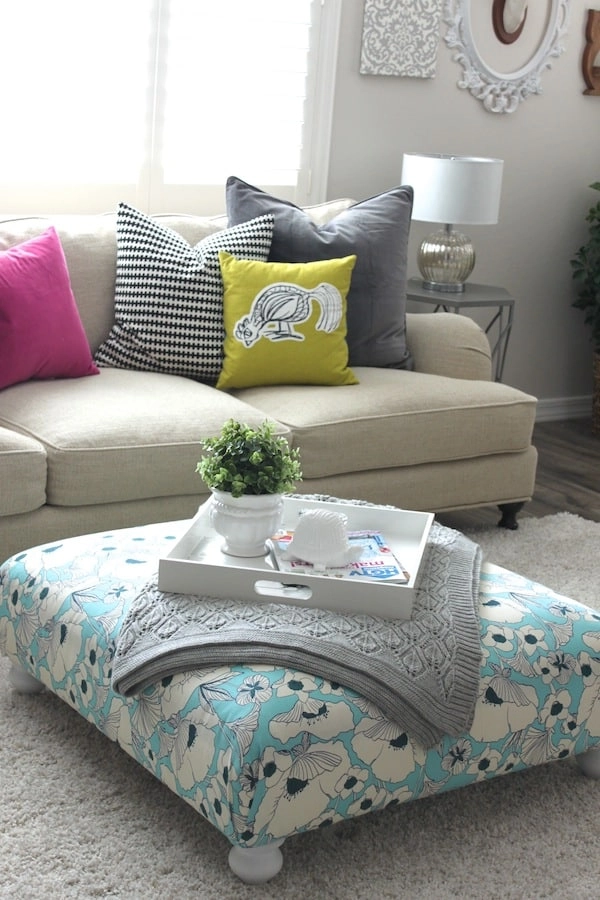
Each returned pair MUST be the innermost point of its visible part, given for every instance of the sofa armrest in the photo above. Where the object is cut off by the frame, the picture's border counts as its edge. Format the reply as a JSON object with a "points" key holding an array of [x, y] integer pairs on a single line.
{"points": [[448, 344]]}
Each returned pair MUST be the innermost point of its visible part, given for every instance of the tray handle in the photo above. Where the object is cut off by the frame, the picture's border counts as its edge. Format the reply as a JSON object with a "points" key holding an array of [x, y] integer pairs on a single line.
{"points": [[279, 589]]}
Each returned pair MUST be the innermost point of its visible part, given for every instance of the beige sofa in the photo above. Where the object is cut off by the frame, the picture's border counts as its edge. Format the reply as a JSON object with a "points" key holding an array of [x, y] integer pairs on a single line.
{"points": [[120, 448]]}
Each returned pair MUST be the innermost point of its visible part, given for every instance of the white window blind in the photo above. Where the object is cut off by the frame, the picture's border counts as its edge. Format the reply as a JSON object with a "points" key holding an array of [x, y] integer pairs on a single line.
{"points": [[156, 102]]}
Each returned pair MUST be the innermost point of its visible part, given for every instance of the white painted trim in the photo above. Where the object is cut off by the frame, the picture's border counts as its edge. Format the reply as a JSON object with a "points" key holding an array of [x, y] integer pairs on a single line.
{"points": [[315, 167], [555, 408]]}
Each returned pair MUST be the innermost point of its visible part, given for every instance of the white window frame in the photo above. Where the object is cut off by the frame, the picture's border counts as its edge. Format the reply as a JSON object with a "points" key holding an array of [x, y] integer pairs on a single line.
{"points": [[314, 171], [152, 196]]}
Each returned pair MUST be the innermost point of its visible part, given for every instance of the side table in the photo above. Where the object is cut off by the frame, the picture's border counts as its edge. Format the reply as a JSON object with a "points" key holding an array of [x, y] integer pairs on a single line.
{"points": [[474, 296]]}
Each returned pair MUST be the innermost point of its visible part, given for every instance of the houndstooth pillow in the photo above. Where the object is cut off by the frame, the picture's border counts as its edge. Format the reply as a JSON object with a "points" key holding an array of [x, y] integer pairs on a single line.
{"points": [[169, 295]]}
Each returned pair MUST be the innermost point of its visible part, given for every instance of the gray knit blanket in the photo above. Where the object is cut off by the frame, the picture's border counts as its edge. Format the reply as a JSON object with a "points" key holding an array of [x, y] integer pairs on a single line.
{"points": [[423, 674]]}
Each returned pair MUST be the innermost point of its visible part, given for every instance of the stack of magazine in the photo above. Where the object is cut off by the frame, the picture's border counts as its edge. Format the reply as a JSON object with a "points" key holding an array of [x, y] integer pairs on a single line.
{"points": [[375, 560]]}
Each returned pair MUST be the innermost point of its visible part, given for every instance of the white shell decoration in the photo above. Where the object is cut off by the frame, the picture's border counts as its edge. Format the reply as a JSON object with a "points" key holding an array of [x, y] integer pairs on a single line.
{"points": [[320, 538]]}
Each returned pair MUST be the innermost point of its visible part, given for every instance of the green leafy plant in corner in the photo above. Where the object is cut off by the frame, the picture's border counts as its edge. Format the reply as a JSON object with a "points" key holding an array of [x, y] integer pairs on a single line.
{"points": [[586, 272], [244, 460]]}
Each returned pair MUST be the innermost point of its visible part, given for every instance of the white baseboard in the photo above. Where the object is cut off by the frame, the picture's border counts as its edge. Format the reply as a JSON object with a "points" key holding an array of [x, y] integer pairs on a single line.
{"points": [[557, 408]]}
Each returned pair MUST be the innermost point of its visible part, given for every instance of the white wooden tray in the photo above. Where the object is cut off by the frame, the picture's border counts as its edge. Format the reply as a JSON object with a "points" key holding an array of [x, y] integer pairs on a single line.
{"points": [[197, 565]]}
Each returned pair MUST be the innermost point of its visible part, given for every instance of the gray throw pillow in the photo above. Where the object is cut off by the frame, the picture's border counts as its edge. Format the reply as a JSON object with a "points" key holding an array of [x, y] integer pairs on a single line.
{"points": [[377, 231]]}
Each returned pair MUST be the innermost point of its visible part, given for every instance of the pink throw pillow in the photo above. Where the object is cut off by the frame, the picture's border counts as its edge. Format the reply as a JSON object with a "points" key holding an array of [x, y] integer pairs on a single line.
{"points": [[41, 335]]}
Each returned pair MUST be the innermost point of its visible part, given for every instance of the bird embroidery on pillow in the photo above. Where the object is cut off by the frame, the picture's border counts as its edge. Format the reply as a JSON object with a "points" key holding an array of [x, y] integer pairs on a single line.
{"points": [[278, 307]]}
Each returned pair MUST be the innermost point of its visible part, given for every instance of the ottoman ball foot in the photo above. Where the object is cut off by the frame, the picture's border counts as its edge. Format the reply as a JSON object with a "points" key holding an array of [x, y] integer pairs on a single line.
{"points": [[589, 763], [22, 682], [256, 865]]}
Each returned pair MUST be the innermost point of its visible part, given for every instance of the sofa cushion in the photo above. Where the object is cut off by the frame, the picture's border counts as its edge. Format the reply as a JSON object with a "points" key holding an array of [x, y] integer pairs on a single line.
{"points": [[23, 467], [377, 231], [41, 335], [396, 418], [169, 295], [126, 435], [285, 323]]}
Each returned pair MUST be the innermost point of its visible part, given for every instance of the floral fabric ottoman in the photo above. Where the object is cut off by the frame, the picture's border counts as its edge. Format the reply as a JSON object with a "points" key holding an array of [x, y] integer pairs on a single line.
{"points": [[263, 751]]}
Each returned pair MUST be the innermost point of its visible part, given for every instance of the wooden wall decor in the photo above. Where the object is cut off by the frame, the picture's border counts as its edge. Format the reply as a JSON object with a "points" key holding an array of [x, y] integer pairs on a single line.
{"points": [[508, 19], [591, 71]]}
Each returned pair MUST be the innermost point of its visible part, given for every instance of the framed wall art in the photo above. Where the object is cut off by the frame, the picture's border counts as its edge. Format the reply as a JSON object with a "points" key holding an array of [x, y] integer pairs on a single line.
{"points": [[590, 61], [504, 46], [400, 38]]}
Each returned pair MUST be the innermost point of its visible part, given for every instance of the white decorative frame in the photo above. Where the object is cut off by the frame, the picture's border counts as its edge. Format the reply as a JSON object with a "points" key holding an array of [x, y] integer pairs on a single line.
{"points": [[502, 92]]}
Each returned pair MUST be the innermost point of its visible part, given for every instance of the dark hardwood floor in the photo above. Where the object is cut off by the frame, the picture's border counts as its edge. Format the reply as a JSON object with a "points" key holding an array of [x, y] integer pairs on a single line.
{"points": [[568, 476]]}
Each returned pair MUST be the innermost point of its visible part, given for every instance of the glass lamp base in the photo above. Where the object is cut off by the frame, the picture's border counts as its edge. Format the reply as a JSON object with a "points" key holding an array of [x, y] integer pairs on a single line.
{"points": [[446, 259]]}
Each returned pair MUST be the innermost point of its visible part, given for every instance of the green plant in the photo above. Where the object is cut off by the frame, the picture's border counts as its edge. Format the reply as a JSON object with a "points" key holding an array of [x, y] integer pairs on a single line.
{"points": [[245, 460], [586, 272]]}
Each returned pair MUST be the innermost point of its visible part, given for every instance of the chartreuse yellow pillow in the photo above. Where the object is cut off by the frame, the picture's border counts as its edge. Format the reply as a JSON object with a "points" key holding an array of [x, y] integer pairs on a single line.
{"points": [[285, 323]]}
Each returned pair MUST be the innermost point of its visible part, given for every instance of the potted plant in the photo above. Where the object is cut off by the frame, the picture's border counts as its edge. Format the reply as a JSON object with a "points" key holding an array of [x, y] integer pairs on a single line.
{"points": [[248, 470], [586, 272]]}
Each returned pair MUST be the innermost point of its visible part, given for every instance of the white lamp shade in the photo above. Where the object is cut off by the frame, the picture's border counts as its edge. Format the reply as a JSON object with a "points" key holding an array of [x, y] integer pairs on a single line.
{"points": [[454, 189]]}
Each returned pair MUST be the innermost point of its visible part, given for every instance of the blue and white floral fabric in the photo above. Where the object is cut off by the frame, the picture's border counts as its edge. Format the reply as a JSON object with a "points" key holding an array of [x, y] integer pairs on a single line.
{"points": [[264, 751]]}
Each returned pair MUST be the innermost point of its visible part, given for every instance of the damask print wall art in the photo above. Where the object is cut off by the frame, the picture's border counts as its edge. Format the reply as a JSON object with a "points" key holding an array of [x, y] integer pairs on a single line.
{"points": [[400, 38]]}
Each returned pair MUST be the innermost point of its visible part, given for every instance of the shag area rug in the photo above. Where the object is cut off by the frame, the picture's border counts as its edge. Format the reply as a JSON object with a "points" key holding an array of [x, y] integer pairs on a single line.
{"points": [[80, 819]]}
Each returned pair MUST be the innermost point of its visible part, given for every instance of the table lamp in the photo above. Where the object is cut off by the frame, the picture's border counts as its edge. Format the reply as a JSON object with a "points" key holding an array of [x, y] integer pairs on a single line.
{"points": [[454, 190]]}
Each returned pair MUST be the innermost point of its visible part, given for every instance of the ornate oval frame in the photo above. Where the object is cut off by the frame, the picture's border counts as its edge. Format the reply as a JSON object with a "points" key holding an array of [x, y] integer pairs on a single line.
{"points": [[501, 92]]}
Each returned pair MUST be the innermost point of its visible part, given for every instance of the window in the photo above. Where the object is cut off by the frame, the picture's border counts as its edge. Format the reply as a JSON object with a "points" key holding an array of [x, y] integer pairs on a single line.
{"points": [[156, 102]]}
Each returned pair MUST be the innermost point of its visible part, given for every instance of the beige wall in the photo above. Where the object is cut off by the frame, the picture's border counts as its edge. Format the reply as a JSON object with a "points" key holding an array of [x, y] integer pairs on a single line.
{"points": [[551, 152]]}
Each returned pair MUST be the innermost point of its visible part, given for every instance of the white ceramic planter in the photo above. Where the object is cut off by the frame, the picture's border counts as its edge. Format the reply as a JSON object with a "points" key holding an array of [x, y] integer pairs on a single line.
{"points": [[245, 522]]}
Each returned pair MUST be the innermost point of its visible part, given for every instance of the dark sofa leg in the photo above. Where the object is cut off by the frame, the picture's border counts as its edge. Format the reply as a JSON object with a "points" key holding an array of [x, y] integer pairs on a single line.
{"points": [[509, 515]]}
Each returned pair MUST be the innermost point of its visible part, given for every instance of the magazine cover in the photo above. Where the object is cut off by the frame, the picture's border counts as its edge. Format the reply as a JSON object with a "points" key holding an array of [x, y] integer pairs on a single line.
{"points": [[375, 560]]}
